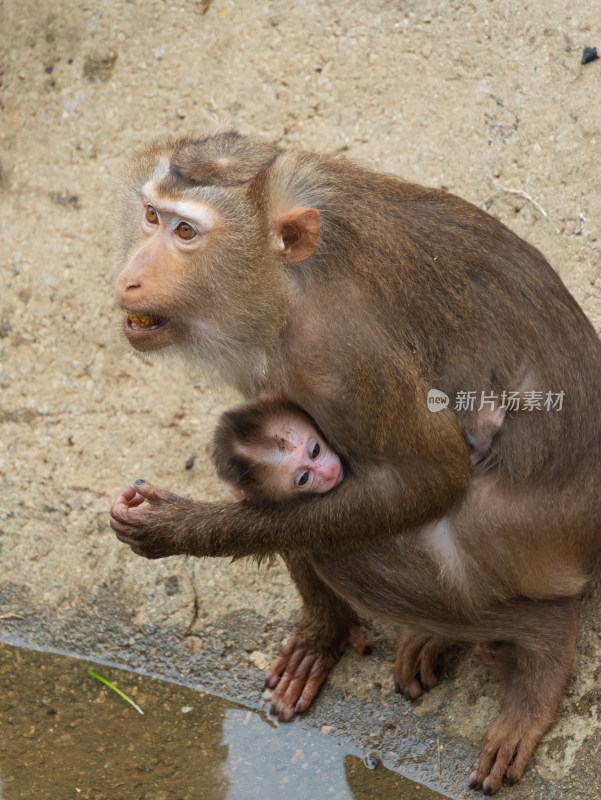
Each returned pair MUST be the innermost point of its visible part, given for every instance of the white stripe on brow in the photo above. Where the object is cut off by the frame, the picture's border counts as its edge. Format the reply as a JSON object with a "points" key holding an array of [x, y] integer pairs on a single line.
{"points": [[200, 213]]}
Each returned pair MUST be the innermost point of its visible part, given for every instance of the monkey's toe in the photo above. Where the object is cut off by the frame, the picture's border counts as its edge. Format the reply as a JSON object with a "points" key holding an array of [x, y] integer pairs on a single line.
{"points": [[358, 641], [416, 655], [507, 748], [296, 676]]}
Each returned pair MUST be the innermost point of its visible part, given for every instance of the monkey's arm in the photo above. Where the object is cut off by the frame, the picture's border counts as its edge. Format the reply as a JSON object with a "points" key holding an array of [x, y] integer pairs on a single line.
{"points": [[383, 501]]}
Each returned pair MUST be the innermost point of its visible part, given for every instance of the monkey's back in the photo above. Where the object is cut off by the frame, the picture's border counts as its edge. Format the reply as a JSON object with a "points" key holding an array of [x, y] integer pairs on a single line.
{"points": [[478, 308]]}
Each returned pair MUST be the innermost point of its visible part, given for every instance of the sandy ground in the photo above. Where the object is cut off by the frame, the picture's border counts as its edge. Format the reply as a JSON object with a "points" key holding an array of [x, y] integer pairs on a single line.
{"points": [[488, 99]]}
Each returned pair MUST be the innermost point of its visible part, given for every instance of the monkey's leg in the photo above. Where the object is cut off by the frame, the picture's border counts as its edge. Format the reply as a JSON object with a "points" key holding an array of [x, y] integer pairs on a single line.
{"points": [[416, 654], [326, 625], [532, 656], [497, 657]]}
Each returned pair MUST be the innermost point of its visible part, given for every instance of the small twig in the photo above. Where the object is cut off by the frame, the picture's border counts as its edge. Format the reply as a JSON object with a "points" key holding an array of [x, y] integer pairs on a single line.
{"points": [[419, 759], [115, 689], [439, 748], [521, 193]]}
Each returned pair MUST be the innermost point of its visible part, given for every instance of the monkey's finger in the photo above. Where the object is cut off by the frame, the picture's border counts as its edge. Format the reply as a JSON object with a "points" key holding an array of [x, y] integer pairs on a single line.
{"points": [[121, 503], [131, 521], [358, 641], [137, 500], [123, 529], [152, 493], [126, 497], [129, 518]]}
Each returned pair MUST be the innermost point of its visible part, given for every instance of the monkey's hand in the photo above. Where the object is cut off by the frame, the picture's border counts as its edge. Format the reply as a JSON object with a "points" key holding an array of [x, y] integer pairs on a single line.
{"points": [[299, 670], [149, 530]]}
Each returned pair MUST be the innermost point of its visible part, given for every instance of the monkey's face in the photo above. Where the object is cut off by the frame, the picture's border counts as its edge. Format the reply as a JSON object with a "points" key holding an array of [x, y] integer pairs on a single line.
{"points": [[300, 461], [154, 288], [204, 255]]}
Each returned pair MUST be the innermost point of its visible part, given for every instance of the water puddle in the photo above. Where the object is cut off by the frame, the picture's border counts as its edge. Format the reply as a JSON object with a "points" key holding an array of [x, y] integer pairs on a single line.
{"points": [[64, 735]]}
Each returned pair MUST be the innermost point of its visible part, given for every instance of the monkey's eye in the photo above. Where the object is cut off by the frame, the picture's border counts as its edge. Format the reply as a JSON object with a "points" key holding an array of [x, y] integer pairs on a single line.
{"points": [[185, 231], [303, 479], [151, 215], [316, 451]]}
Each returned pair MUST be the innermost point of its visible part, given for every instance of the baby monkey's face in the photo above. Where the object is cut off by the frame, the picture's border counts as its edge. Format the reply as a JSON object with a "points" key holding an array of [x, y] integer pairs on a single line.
{"points": [[301, 461]]}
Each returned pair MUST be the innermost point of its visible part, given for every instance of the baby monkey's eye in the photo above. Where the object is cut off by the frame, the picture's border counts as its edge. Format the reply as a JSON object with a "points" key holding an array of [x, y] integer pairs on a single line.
{"points": [[316, 451], [151, 215], [303, 479]]}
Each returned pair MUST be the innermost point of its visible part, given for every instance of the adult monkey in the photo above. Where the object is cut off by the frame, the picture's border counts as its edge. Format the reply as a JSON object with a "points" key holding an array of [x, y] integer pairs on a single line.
{"points": [[354, 293]]}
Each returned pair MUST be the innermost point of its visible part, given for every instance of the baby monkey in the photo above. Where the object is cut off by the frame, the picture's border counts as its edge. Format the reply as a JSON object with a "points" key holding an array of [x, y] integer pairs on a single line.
{"points": [[270, 449]]}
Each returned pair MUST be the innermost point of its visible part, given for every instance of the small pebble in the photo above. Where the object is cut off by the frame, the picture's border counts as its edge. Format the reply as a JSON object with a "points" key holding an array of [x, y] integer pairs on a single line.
{"points": [[194, 644], [372, 761], [589, 54]]}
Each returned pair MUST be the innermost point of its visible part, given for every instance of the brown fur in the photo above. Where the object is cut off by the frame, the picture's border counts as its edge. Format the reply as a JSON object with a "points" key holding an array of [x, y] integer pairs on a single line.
{"points": [[409, 289]]}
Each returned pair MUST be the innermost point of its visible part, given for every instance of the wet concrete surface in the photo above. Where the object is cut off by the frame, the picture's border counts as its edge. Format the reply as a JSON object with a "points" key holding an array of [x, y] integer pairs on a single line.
{"points": [[357, 706], [65, 735]]}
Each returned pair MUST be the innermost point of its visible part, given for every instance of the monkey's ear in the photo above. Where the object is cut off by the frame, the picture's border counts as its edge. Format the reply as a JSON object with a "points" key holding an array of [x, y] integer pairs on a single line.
{"points": [[296, 233]]}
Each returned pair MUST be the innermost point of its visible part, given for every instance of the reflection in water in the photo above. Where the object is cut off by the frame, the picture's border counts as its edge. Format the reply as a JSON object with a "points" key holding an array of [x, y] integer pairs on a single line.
{"points": [[63, 735]]}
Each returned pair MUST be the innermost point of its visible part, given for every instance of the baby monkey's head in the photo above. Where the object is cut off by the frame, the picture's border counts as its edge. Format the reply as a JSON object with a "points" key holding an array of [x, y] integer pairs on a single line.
{"points": [[270, 449]]}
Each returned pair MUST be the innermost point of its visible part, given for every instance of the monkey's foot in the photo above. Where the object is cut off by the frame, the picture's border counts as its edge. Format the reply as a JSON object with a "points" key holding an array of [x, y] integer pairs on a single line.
{"points": [[298, 672], [416, 654], [507, 747]]}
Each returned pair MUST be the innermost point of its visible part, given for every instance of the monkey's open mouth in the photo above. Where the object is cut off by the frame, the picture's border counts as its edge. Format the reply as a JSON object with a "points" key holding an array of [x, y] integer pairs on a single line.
{"points": [[147, 332]]}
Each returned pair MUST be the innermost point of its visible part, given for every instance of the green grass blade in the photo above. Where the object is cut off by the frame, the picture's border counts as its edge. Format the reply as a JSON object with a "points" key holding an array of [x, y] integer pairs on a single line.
{"points": [[115, 689]]}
